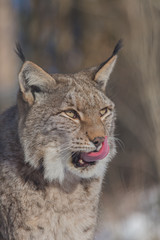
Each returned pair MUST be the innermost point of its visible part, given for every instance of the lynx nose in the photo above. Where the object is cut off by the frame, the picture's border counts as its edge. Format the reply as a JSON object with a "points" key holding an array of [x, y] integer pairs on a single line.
{"points": [[98, 140]]}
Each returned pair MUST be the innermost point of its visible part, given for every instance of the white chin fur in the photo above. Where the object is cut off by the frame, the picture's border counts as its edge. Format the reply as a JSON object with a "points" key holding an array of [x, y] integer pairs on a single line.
{"points": [[55, 167]]}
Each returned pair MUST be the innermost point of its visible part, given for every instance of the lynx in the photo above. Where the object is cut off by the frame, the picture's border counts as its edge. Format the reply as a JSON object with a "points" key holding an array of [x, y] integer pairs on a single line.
{"points": [[55, 145]]}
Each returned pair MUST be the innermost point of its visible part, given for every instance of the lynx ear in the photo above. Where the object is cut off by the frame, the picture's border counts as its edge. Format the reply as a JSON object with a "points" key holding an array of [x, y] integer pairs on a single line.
{"points": [[104, 70], [33, 80]]}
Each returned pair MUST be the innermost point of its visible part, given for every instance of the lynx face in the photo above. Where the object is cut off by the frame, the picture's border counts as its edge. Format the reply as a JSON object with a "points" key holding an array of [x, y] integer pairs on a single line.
{"points": [[65, 121]]}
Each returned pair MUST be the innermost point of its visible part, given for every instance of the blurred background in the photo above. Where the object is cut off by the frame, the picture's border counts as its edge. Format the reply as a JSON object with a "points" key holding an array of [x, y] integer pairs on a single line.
{"points": [[68, 35]]}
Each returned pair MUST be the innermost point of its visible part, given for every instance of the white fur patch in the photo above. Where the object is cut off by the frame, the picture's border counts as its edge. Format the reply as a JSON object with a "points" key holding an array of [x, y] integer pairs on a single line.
{"points": [[53, 165]]}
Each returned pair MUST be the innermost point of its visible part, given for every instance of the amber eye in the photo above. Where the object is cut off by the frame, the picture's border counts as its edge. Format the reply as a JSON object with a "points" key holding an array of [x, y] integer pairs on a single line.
{"points": [[72, 114], [104, 111]]}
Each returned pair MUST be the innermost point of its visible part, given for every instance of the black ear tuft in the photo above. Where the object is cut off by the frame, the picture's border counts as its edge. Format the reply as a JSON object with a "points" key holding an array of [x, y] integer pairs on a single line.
{"points": [[118, 46], [19, 52]]}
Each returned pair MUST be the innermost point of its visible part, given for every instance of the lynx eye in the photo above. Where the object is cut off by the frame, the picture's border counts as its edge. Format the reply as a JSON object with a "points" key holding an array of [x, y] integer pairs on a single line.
{"points": [[104, 111], [72, 114]]}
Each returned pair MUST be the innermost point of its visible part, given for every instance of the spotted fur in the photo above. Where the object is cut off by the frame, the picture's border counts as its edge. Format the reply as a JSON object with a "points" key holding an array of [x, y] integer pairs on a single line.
{"points": [[42, 194]]}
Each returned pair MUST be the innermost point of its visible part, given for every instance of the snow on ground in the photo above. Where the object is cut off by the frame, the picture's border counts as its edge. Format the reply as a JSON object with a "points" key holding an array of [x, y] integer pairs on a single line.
{"points": [[141, 222]]}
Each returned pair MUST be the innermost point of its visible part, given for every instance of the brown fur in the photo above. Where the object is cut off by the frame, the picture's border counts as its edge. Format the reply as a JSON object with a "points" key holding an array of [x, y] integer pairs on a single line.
{"points": [[42, 195]]}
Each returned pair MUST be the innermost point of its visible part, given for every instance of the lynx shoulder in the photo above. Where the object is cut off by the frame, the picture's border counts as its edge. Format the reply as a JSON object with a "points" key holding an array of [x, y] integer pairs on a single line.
{"points": [[55, 145]]}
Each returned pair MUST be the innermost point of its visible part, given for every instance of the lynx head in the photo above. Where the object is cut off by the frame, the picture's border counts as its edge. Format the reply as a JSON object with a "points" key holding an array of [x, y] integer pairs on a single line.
{"points": [[66, 123]]}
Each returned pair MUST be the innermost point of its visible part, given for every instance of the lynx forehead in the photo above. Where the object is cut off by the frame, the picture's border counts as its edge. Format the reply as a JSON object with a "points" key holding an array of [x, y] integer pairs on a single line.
{"points": [[55, 145]]}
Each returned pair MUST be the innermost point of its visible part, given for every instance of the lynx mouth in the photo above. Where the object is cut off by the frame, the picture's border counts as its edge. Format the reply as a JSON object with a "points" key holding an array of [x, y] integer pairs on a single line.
{"points": [[84, 159], [79, 162]]}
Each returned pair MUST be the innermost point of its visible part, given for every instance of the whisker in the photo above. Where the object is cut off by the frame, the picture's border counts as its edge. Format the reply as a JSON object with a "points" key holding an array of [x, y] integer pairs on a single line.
{"points": [[66, 158], [119, 141]]}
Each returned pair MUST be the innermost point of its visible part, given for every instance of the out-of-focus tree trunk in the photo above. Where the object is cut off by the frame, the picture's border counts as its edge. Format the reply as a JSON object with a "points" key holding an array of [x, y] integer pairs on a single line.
{"points": [[7, 55], [144, 41]]}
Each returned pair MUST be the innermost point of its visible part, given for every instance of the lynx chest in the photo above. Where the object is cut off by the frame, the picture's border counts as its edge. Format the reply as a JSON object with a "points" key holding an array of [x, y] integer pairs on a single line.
{"points": [[56, 214]]}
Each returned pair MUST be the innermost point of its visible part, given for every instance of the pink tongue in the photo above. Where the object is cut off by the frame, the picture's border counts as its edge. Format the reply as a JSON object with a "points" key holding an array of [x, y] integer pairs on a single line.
{"points": [[94, 156]]}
